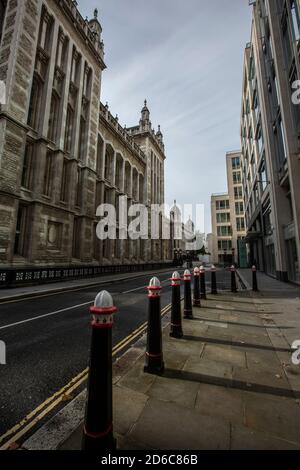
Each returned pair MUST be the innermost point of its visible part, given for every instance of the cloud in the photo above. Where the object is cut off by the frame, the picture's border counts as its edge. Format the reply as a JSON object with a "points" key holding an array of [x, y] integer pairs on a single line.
{"points": [[186, 58]]}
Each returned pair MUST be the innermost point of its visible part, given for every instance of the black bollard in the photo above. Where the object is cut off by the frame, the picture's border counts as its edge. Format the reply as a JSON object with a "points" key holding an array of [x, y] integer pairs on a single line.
{"points": [[197, 297], [233, 279], [188, 309], [202, 283], [154, 356], [98, 428], [254, 279], [176, 322], [214, 290]]}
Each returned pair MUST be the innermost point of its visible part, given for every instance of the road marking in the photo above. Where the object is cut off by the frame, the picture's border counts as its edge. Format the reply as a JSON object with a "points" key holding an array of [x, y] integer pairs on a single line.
{"points": [[45, 315], [140, 288], [38, 317], [90, 286], [22, 428]]}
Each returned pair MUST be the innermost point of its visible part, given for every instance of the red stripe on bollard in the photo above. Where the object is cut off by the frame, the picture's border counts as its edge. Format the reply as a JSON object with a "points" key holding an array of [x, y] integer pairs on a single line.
{"points": [[98, 429], [188, 309], [197, 296], [176, 323], [154, 356]]}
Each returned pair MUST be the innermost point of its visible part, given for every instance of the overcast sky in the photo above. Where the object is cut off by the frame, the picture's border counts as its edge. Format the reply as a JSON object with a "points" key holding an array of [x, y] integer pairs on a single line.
{"points": [[185, 57]]}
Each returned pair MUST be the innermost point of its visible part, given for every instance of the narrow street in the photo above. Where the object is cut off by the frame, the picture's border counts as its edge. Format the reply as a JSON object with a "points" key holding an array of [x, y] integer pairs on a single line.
{"points": [[48, 340]]}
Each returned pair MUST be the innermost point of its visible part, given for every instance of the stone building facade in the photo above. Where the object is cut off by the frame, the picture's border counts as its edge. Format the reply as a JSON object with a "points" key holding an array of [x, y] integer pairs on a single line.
{"points": [[270, 131], [237, 208], [61, 151], [132, 166], [221, 243], [228, 217]]}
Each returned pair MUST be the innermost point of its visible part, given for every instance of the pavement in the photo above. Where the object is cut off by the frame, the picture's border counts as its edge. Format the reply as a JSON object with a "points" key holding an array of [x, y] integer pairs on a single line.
{"points": [[228, 384]]}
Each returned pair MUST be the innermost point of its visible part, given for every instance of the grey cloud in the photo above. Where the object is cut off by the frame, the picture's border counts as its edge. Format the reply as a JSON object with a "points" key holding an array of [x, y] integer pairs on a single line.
{"points": [[185, 57]]}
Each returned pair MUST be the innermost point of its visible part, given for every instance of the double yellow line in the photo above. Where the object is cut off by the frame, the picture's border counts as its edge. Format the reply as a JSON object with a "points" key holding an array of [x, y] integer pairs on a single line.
{"points": [[65, 393]]}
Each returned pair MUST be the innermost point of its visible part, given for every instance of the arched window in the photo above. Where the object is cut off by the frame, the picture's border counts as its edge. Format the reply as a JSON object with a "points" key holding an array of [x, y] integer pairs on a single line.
{"points": [[53, 118], [3, 4], [35, 103]]}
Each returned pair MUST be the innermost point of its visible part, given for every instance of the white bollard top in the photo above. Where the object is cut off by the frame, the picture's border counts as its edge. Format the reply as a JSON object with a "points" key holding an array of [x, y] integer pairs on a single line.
{"points": [[187, 273], [202, 269], [103, 300], [155, 282], [176, 275], [102, 311], [196, 271]]}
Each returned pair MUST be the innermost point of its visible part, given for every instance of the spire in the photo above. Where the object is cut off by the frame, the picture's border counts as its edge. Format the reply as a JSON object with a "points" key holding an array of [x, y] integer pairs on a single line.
{"points": [[145, 123], [145, 111], [94, 24], [159, 134]]}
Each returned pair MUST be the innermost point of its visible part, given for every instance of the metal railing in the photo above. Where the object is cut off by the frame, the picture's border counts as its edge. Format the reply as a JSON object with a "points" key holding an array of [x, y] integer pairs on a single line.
{"points": [[14, 277]]}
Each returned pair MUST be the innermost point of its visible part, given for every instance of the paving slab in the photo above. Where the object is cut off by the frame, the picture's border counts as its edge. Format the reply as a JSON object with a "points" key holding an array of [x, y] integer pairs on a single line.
{"points": [[224, 354], [128, 405], [177, 392], [167, 426], [278, 416], [243, 438], [219, 372], [221, 401]]}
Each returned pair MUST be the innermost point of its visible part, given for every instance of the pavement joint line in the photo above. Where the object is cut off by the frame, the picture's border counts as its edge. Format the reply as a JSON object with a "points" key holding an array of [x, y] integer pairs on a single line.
{"points": [[57, 397]]}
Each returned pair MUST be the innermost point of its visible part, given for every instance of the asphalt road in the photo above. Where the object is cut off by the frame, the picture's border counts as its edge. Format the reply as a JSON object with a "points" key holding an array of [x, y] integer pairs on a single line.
{"points": [[48, 341]]}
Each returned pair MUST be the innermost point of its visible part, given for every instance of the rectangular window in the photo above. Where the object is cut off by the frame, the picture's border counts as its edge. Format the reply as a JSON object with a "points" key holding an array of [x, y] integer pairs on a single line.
{"points": [[53, 118], [3, 5], [260, 140], [239, 208], [263, 176], [79, 187], [64, 182], [224, 245], [295, 20], [223, 217], [224, 231], [238, 192], [236, 163], [222, 205], [82, 140], [45, 33], [240, 224], [20, 237], [69, 129], [27, 166], [35, 103], [48, 174], [281, 145], [237, 178]]}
